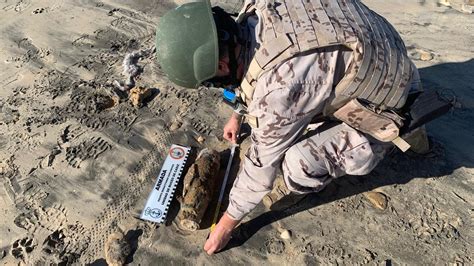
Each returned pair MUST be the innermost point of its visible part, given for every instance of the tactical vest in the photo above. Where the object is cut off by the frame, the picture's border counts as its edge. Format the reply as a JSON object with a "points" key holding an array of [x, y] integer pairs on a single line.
{"points": [[379, 74]]}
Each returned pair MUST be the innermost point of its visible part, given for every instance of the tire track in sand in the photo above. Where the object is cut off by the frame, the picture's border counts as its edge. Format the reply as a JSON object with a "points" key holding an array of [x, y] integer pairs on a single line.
{"points": [[121, 205]]}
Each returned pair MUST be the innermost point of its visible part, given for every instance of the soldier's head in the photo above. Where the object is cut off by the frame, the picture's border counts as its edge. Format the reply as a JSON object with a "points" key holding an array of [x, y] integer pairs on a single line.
{"points": [[196, 43]]}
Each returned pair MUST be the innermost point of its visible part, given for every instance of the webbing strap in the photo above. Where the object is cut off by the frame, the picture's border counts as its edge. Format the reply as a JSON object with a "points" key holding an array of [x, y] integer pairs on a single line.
{"points": [[246, 91], [252, 120], [254, 69], [272, 49], [322, 26], [401, 144], [363, 55]]}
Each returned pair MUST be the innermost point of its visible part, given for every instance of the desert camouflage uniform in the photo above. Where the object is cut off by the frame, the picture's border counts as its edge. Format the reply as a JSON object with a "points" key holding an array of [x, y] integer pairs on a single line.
{"points": [[285, 101]]}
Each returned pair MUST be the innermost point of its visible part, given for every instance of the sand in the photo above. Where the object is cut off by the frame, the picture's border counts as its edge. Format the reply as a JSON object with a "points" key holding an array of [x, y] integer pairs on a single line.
{"points": [[77, 162]]}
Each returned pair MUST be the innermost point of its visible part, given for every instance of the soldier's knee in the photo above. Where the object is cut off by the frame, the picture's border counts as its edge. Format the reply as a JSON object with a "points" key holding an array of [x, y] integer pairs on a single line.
{"points": [[302, 175], [297, 164]]}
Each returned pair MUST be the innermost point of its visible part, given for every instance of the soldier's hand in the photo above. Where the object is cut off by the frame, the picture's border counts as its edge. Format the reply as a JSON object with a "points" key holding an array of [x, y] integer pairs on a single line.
{"points": [[221, 235], [217, 240], [231, 129]]}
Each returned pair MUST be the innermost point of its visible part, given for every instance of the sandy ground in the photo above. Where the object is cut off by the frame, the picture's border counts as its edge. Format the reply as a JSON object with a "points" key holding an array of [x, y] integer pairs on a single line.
{"points": [[75, 168]]}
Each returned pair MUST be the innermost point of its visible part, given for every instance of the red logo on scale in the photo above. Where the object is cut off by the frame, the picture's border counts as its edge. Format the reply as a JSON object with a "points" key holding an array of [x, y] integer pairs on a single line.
{"points": [[177, 153]]}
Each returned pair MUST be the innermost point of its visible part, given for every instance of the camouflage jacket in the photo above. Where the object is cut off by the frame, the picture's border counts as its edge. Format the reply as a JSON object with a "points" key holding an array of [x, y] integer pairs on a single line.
{"points": [[285, 101]]}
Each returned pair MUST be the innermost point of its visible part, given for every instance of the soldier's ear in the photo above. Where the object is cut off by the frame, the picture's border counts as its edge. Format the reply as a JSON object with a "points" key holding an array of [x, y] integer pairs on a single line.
{"points": [[223, 68]]}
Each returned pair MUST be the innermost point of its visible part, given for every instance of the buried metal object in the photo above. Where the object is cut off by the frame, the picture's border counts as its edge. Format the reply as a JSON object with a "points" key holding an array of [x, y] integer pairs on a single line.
{"points": [[198, 189]]}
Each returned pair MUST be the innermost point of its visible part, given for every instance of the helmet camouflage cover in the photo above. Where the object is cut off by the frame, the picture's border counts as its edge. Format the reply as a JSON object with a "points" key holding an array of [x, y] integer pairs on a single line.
{"points": [[187, 44]]}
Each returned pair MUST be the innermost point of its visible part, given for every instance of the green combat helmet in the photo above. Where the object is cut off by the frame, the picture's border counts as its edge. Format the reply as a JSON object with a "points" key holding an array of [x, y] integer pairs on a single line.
{"points": [[187, 44]]}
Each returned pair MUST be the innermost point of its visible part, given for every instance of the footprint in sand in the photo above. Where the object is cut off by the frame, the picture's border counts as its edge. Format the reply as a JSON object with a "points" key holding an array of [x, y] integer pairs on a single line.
{"points": [[274, 246], [19, 6], [39, 10], [63, 246], [90, 148], [22, 247]]}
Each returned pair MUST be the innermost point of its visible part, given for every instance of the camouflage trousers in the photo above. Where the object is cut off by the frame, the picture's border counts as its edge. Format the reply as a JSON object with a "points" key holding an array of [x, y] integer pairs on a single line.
{"points": [[332, 149], [328, 151]]}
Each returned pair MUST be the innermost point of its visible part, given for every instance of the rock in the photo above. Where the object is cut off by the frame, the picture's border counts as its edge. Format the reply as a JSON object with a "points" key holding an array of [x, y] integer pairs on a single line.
{"points": [[423, 55], [175, 125], [378, 200], [426, 56], [104, 102], [444, 2], [3, 167], [285, 234], [201, 139], [139, 95], [117, 249]]}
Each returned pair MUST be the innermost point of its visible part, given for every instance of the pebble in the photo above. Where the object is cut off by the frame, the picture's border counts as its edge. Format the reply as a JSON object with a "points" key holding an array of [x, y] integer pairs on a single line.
{"points": [[139, 96], [425, 56], [444, 2], [3, 167], [285, 234], [175, 125], [201, 139], [378, 200]]}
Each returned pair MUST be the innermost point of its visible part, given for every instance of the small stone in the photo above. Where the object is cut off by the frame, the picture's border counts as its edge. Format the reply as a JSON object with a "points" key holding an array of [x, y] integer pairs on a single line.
{"points": [[116, 101], [285, 234], [378, 200], [138, 96], [175, 125], [444, 2], [201, 139], [3, 167], [425, 56]]}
